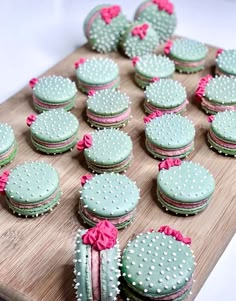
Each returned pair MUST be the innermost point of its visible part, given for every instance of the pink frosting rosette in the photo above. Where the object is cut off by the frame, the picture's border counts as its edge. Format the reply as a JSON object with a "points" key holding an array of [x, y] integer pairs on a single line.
{"points": [[85, 142], [168, 163]]}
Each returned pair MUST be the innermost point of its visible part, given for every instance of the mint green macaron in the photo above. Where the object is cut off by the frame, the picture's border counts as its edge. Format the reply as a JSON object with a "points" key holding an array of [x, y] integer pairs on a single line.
{"points": [[226, 62], [8, 145]]}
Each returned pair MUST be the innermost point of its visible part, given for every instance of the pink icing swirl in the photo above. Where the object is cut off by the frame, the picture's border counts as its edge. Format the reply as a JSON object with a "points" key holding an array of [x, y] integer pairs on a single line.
{"points": [[135, 60], [3, 181], [33, 82], [155, 79], [30, 119], [85, 178], [210, 118], [164, 5], [101, 237], [151, 116], [201, 87], [177, 234], [85, 142], [168, 46], [109, 13], [140, 31], [91, 92], [79, 62], [219, 51], [168, 163]]}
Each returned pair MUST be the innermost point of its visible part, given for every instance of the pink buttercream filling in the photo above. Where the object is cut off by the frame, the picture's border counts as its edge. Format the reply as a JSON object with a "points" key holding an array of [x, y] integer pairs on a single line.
{"points": [[169, 153], [95, 272], [142, 8], [167, 111], [47, 105], [216, 108], [221, 142], [8, 152], [144, 79], [54, 145], [90, 23], [188, 64], [106, 120], [99, 87]]}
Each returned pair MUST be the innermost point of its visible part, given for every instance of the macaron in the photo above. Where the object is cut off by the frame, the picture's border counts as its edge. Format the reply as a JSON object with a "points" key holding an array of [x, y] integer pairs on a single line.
{"points": [[54, 131], [165, 95], [150, 67], [31, 189], [139, 39], [104, 26], [108, 196], [222, 133], [108, 108], [97, 261], [169, 135], [107, 150], [158, 266], [8, 145], [161, 14], [184, 187], [188, 55], [226, 62], [97, 74], [53, 92]]}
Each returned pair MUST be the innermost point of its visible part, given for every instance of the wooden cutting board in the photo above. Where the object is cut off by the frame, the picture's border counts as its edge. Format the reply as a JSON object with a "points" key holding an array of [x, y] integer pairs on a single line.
{"points": [[36, 255]]}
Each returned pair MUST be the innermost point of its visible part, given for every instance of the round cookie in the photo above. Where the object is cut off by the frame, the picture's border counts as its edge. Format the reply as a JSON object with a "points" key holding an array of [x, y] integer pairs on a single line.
{"points": [[160, 14], [8, 145], [108, 108], [139, 39], [158, 266], [222, 133], [184, 187], [113, 197], [31, 189], [169, 135], [53, 92], [97, 74], [165, 95], [226, 62], [54, 131], [104, 26], [108, 150], [151, 67], [188, 55]]}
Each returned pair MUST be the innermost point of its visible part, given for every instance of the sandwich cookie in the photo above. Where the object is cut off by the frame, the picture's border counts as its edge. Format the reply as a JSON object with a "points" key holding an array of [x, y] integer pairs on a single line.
{"points": [[8, 145], [161, 14], [184, 187], [108, 150], [222, 133], [53, 92], [110, 196], [188, 55], [158, 266], [103, 27], [150, 67], [169, 135], [226, 62], [54, 131], [97, 74], [139, 39], [31, 189], [97, 261], [108, 108], [165, 95]]}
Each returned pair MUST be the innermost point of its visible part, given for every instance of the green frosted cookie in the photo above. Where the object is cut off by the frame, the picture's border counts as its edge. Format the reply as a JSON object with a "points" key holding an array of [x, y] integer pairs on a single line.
{"points": [[226, 63], [32, 189], [8, 145], [165, 95]]}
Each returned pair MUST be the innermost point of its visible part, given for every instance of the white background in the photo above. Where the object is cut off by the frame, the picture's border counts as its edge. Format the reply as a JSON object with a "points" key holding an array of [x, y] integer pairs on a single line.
{"points": [[34, 35]]}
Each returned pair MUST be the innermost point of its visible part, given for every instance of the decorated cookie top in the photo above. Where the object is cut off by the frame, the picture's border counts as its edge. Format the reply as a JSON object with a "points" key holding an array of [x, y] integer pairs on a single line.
{"points": [[170, 131], [108, 102], [156, 264], [110, 195], [109, 146], [166, 93], [54, 89], [96, 71], [32, 182], [189, 182], [226, 61], [54, 126], [222, 90], [154, 66], [7, 137], [224, 125]]}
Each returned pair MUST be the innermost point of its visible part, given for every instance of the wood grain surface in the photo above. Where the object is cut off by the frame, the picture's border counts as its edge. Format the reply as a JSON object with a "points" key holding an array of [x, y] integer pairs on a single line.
{"points": [[36, 255]]}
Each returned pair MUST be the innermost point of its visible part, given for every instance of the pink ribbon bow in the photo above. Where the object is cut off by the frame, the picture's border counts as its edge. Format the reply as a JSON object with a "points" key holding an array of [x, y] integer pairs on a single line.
{"points": [[91, 92], [33, 82], [164, 5], [201, 87], [210, 118], [177, 234], [151, 116], [109, 13], [85, 178], [140, 31], [79, 62], [135, 60], [219, 51], [30, 119], [85, 142], [3, 181], [168, 163], [168, 46]]}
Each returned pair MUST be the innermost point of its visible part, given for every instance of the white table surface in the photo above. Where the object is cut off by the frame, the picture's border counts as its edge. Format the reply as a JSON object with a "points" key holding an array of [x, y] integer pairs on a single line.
{"points": [[34, 35]]}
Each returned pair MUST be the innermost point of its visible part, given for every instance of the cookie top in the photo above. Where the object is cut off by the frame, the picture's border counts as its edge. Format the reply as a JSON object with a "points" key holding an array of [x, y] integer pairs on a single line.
{"points": [[54, 89], [7, 137], [157, 265], [152, 65], [226, 61], [188, 183], [108, 102], [224, 125], [170, 131], [110, 195], [97, 71], [32, 182], [188, 50], [54, 126], [166, 93], [221, 90], [109, 146]]}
